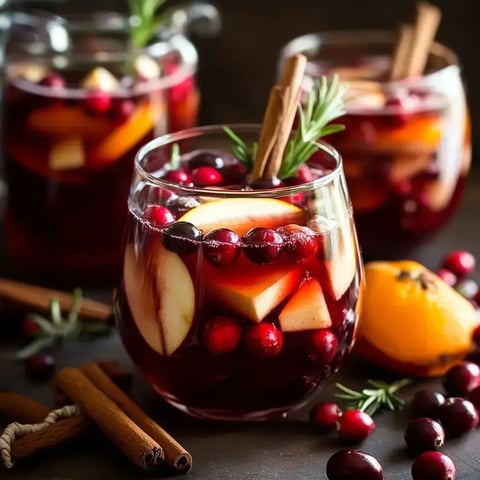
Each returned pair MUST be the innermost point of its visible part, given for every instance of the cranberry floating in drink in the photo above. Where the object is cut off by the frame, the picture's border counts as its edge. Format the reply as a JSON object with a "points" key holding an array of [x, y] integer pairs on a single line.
{"points": [[247, 302], [74, 116], [406, 147]]}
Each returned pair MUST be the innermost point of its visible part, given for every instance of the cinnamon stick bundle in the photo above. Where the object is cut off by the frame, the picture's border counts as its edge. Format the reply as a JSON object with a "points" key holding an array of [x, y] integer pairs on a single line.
{"points": [[176, 457], [141, 449]]}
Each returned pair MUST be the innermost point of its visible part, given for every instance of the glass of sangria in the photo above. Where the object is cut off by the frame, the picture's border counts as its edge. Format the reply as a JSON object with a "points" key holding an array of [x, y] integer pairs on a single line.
{"points": [[237, 302], [79, 101], [406, 147]]}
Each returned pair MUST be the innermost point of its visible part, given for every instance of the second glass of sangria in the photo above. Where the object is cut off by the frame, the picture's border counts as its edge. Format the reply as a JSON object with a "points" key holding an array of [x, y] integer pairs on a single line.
{"points": [[406, 146], [79, 100]]}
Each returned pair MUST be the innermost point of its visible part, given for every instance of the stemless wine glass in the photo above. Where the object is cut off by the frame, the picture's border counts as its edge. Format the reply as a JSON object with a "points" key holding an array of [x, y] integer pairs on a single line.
{"points": [[406, 147], [79, 101], [236, 303]]}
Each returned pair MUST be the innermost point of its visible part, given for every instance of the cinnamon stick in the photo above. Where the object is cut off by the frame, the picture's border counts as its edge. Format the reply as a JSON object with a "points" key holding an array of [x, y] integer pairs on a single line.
{"points": [[403, 47], [38, 298], [135, 443], [426, 25], [176, 456], [278, 118]]}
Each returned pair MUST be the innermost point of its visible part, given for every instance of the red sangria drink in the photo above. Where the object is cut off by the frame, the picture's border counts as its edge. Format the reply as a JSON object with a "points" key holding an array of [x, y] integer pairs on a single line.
{"points": [[406, 146], [73, 121], [238, 299]]}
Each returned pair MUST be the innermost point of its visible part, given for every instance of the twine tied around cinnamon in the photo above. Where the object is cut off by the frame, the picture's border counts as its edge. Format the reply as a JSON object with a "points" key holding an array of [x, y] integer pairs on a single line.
{"points": [[15, 430]]}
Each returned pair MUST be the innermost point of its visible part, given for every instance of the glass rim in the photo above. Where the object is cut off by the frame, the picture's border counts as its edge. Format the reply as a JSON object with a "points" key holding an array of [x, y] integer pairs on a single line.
{"points": [[178, 43], [171, 138], [364, 36]]}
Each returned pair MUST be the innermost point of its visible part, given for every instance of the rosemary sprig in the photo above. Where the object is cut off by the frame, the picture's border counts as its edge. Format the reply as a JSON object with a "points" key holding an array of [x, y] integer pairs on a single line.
{"points": [[145, 20], [369, 400], [324, 103], [56, 328]]}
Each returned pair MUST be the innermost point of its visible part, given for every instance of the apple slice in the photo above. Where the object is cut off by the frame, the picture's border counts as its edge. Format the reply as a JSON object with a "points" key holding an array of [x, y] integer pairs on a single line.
{"points": [[255, 291], [161, 297], [146, 68], [101, 79], [341, 249], [405, 166], [242, 214], [66, 154], [306, 309]]}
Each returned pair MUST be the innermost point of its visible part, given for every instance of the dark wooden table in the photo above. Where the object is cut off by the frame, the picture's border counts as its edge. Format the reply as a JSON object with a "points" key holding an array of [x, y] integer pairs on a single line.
{"points": [[279, 450]]}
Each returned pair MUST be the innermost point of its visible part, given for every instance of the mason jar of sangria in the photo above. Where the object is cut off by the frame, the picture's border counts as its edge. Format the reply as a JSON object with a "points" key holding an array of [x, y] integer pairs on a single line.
{"points": [[238, 300], [406, 146], [79, 99]]}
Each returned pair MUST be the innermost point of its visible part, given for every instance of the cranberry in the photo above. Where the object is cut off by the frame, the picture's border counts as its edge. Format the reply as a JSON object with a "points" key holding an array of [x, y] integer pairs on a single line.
{"points": [[206, 159], [264, 340], [352, 464], [354, 426], [299, 242], [266, 183], [447, 276], [400, 107], [325, 345], [460, 262], [182, 237], [433, 466], [324, 416], [53, 81], [303, 175], [97, 102], [221, 247], [423, 434], [206, 176], [39, 367], [458, 416], [178, 176], [222, 335], [29, 328], [122, 109], [467, 287], [476, 336], [262, 245], [426, 403], [474, 397], [461, 379], [159, 215]]}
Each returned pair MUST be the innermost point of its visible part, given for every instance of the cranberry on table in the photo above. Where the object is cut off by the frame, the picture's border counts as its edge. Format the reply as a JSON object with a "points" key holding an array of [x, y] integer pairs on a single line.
{"points": [[262, 245], [299, 242], [447, 276], [221, 247], [433, 466], [206, 159], [458, 416], [158, 215], [29, 328], [424, 434], [97, 102], [39, 367], [324, 416], [264, 340], [354, 426], [221, 335], [325, 344], [352, 464], [206, 176], [461, 379], [460, 262], [426, 403], [182, 237]]}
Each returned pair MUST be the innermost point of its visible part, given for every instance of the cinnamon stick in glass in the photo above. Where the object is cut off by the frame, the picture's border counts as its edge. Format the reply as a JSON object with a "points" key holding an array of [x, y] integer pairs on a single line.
{"points": [[139, 447], [176, 457]]}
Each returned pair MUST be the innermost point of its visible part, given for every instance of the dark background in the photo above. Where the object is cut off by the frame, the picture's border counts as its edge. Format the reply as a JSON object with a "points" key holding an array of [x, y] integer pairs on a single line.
{"points": [[238, 66]]}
